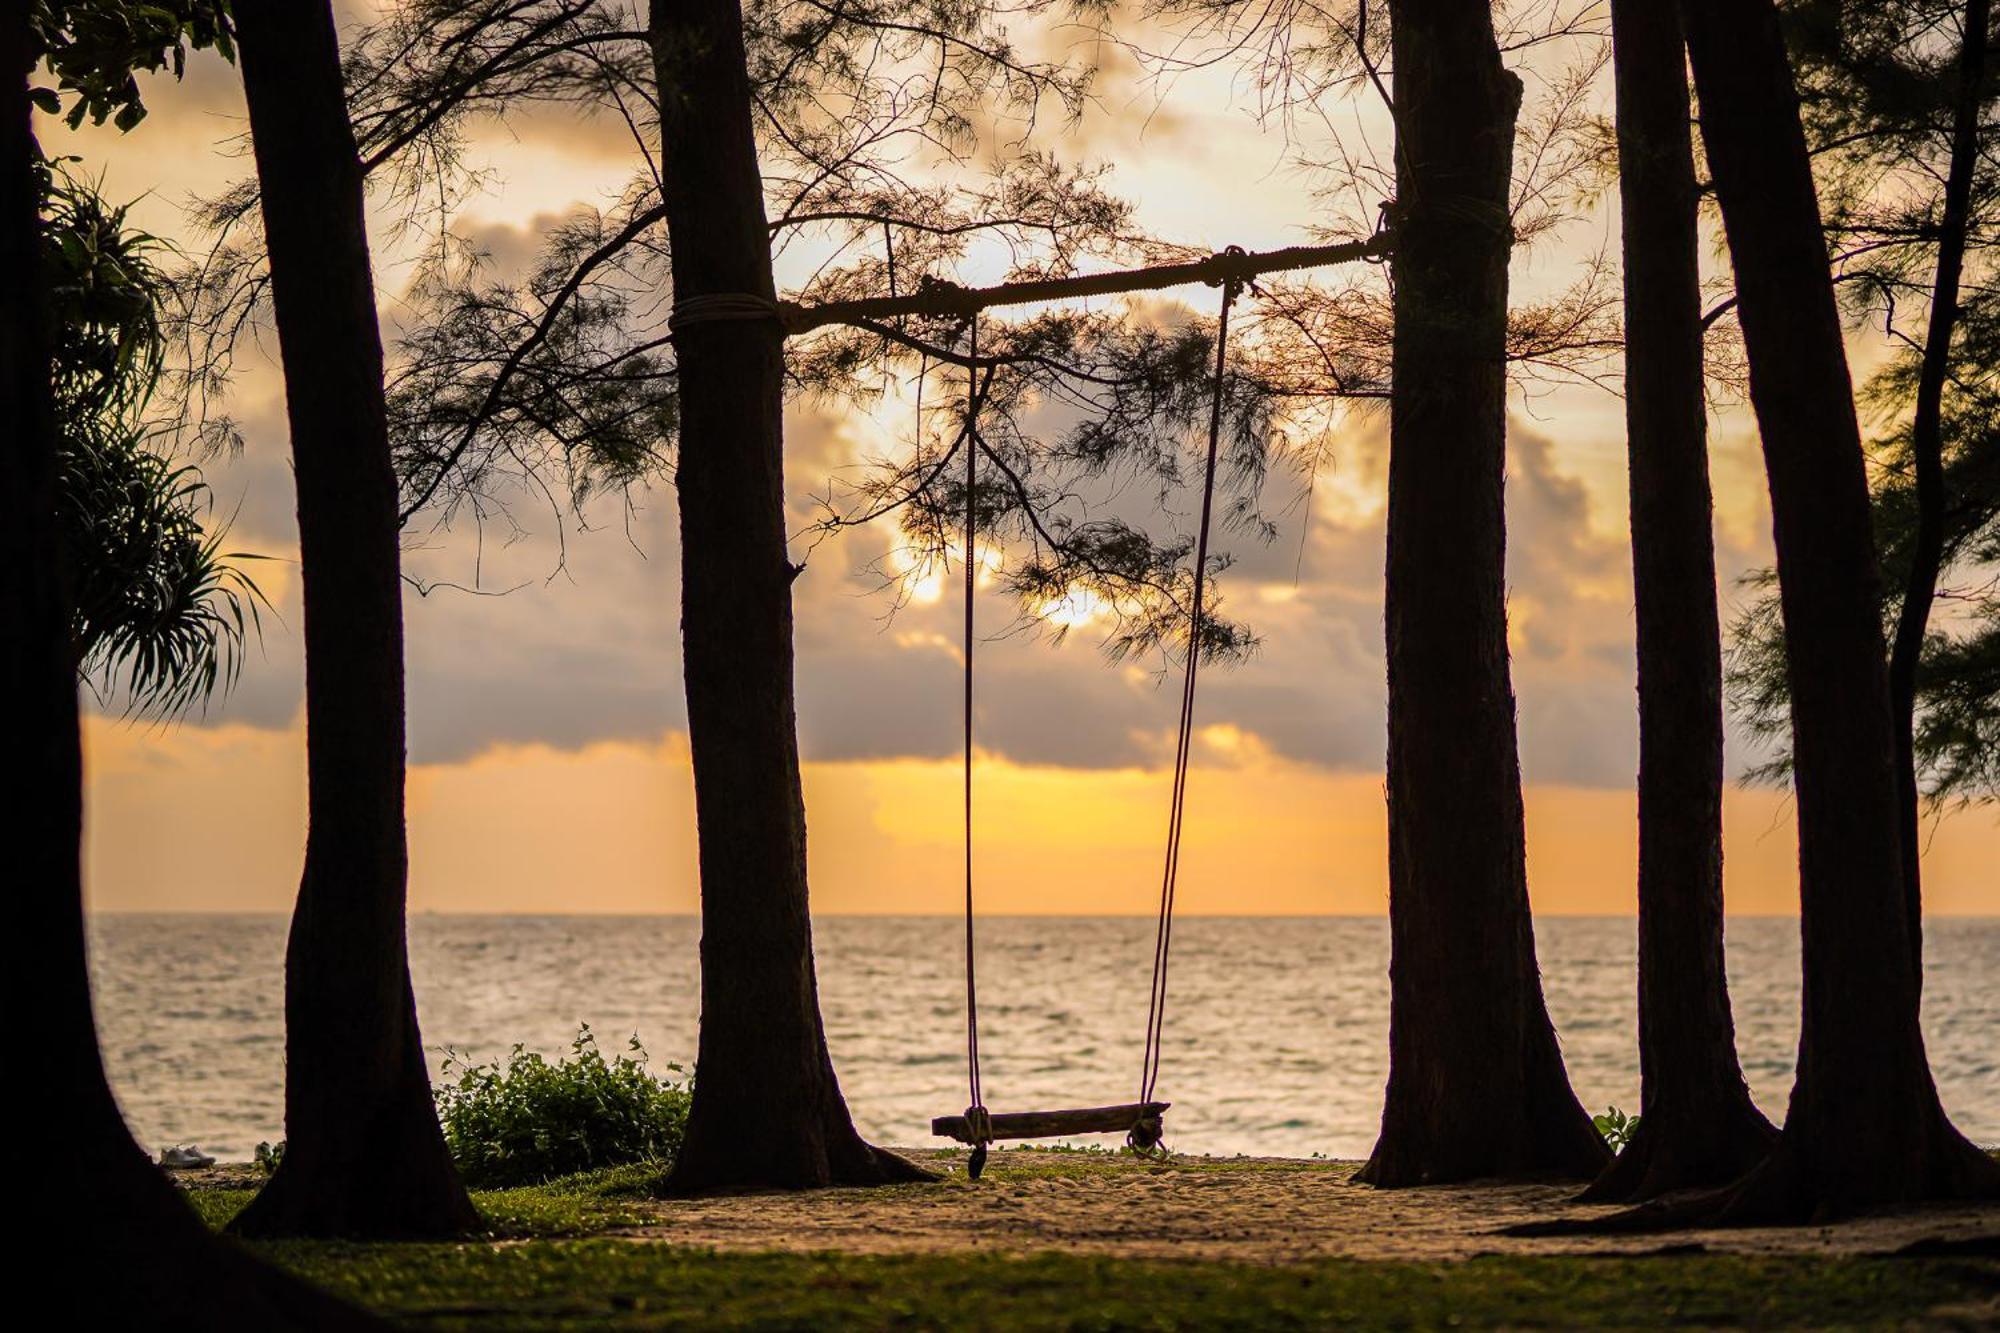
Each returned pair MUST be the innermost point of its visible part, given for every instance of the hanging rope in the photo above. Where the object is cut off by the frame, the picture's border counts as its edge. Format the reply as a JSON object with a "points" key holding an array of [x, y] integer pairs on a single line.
{"points": [[975, 1112], [1145, 1137]]}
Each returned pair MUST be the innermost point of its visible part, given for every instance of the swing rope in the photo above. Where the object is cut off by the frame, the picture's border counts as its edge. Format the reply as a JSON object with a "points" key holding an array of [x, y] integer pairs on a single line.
{"points": [[1145, 1137], [976, 1108]]}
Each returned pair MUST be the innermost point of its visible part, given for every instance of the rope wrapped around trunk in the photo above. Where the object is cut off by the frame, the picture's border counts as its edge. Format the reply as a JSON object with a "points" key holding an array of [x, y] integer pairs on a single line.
{"points": [[721, 308]]}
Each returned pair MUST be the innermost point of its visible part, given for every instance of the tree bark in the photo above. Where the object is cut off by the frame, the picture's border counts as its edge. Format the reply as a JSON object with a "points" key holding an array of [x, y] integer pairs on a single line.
{"points": [[364, 1154], [1476, 1081], [1927, 454], [1864, 1125], [1697, 1124], [150, 1258], [767, 1107]]}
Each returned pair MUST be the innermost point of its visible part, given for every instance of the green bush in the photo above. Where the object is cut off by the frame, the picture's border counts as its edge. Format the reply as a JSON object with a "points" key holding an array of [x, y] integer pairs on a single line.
{"points": [[530, 1120], [1616, 1127]]}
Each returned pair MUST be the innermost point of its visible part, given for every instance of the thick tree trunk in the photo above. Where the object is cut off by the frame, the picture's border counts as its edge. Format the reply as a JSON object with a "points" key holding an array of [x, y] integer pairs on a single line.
{"points": [[767, 1108], [1698, 1125], [1927, 454], [1476, 1081], [150, 1259], [1864, 1125], [364, 1153]]}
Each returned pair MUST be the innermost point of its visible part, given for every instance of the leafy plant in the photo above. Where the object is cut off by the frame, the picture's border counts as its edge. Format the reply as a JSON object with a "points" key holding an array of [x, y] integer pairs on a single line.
{"points": [[161, 613], [1616, 1127], [531, 1120], [269, 1155]]}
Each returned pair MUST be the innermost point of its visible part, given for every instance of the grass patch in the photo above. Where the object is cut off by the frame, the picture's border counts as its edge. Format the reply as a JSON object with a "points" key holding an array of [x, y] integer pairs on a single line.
{"points": [[546, 1266], [625, 1285], [579, 1205]]}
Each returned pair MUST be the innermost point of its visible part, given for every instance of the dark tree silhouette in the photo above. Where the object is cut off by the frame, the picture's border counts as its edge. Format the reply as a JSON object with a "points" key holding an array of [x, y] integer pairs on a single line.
{"points": [[364, 1155], [1927, 454], [1476, 1080], [1909, 184], [1864, 1125], [1697, 1125], [767, 1108], [151, 1256]]}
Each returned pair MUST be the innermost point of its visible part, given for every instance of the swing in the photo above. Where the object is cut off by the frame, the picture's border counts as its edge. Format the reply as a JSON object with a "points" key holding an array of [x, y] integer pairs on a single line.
{"points": [[1143, 1121]]}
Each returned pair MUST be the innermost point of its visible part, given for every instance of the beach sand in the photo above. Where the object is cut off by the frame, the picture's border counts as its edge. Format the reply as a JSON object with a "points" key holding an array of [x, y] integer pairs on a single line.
{"points": [[1258, 1210]]}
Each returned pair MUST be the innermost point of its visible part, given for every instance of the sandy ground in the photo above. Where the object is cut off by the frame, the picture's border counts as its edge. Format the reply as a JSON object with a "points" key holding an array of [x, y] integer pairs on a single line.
{"points": [[1245, 1209]]}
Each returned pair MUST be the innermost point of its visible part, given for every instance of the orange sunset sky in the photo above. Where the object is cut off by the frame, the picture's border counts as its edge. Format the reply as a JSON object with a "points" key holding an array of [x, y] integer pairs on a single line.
{"points": [[549, 763]]}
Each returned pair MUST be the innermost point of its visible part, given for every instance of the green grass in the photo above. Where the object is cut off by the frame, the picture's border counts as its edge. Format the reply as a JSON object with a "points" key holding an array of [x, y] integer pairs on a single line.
{"points": [[547, 1266], [580, 1205], [625, 1285]]}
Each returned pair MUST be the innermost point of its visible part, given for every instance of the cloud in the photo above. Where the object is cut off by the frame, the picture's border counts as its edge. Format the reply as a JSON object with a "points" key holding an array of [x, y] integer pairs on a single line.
{"points": [[584, 647]]}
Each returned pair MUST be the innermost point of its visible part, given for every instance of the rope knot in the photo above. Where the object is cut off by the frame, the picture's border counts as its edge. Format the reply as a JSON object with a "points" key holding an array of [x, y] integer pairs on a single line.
{"points": [[979, 1124], [1233, 261]]}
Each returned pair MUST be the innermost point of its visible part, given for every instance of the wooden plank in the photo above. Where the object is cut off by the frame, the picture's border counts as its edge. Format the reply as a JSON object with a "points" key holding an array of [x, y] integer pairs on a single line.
{"points": [[1054, 1124]]}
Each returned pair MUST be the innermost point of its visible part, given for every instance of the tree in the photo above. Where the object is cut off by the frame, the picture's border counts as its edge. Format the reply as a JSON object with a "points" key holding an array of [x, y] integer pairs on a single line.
{"points": [[1891, 97], [364, 1153], [161, 612], [1927, 455], [1476, 1081], [154, 1254], [1697, 1124], [767, 1108], [1864, 1125]]}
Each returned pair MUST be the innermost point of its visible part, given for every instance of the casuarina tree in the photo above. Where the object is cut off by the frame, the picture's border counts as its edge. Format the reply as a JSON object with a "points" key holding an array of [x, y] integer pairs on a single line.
{"points": [[1697, 1125], [1864, 1125], [767, 1108], [1476, 1079], [1895, 99], [364, 1154]]}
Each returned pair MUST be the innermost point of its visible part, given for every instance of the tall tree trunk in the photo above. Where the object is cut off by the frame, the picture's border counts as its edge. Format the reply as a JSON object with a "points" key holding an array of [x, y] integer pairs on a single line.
{"points": [[1476, 1081], [1864, 1125], [150, 1257], [364, 1153], [767, 1108], [1927, 454], [1697, 1125]]}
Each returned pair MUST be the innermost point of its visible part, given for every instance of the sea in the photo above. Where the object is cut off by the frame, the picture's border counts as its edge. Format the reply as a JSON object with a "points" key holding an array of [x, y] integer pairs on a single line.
{"points": [[1276, 1040]]}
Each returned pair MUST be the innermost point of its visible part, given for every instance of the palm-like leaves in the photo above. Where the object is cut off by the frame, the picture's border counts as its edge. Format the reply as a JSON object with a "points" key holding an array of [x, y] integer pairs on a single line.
{"points": [[161, 612]]}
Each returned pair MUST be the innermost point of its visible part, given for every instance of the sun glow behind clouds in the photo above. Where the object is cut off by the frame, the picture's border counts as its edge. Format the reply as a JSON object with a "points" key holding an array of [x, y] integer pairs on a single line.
{"points": [[927, 575]]}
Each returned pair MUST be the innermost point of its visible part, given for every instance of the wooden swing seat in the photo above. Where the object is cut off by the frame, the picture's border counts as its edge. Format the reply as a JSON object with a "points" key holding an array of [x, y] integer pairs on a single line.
{"points": [[1054, 1124]]}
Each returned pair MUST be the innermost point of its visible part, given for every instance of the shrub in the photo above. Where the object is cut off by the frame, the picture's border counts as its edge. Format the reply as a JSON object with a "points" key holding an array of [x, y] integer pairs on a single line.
{"points": [[1616, 1127], [530, 1120], [269, 1155]]}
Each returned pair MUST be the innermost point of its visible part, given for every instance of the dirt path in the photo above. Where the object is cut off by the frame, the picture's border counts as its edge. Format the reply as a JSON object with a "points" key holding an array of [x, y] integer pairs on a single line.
{"points": [[1246, 1209]]}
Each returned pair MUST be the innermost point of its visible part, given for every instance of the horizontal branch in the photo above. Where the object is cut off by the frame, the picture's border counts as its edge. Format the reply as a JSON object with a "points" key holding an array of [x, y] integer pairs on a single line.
{"points": [[948, 298]]}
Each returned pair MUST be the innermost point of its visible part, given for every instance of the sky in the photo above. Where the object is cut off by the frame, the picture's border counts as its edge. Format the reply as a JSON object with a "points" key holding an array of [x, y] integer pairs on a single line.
{"points": [[548, 751]]}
